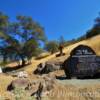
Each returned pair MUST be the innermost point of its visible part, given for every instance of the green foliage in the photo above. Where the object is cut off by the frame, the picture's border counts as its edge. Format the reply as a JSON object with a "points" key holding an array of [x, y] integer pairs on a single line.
{"points": [[52, 46], [21, 39], [3, 64], [4, 23], [93, 32], [38, 51], [21, 94]]}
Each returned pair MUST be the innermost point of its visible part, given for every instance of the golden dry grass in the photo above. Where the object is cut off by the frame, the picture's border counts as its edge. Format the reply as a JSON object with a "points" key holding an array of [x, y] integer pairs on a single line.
{"points": [[5, 80], [70, 92], [94, 43]]}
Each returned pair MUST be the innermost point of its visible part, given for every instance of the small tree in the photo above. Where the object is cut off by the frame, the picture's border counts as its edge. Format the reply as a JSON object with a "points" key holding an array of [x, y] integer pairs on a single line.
{"points": [[62, 44], [51, 46], [61, 49], [62, 41]]}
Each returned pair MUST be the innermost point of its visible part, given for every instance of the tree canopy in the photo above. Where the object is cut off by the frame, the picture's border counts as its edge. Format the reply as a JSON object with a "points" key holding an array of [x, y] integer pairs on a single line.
{"points": [[20, 38]]}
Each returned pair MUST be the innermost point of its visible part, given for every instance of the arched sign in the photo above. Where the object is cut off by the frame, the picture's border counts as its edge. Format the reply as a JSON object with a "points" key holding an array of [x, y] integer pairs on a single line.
{"points": [[82, 62], [82, 50]]}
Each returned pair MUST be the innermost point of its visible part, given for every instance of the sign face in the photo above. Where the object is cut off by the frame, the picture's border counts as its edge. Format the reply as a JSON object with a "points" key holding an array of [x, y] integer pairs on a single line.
{"points": [[84, 61], [88, 65]]}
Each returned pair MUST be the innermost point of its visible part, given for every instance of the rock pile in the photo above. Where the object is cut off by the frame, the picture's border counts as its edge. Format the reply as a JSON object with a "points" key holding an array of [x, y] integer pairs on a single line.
{"points": [[38, 88], [47, 67]]}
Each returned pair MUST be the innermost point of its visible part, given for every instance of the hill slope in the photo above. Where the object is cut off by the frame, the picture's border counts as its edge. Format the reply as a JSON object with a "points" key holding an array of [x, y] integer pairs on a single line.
{"points": [[77, 86], [93, 42]]}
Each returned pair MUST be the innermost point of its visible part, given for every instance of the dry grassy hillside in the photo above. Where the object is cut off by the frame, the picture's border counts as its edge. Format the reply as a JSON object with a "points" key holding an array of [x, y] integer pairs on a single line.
{"points": [[94, 43]]}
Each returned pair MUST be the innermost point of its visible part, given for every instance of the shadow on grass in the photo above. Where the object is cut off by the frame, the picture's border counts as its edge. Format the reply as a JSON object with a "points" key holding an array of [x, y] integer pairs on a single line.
{"points": [[10, 69], [61, 77], [95, 76]]}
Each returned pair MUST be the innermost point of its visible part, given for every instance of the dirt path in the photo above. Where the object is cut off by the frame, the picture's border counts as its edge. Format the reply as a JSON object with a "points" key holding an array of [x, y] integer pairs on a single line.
{"points": [[79, 82]]}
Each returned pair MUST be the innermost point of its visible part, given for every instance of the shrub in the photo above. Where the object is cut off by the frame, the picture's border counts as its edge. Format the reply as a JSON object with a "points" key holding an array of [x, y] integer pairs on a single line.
{"points": [[21, 94], [52, 46]]}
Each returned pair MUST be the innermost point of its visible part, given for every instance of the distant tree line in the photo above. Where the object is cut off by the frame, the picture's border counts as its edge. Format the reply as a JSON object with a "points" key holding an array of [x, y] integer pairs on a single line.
{"points": [[95, 30], [53, 46]]}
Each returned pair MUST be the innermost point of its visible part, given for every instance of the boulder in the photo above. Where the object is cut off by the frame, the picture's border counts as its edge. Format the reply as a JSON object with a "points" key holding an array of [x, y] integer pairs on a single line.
{"points": [[45, 85], [38, 88], [22, 74], [47, 67], [19, 74], [0, 70], [39, 69], [21, 83]]}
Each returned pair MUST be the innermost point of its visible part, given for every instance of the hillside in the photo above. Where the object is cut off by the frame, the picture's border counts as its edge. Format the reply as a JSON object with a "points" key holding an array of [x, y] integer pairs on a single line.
{"points": [[68, 86], [93, 42]]}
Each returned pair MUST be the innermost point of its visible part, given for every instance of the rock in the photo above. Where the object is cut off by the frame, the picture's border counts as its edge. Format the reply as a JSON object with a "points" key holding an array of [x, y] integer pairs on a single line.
{"points": [[47, 67], [21, 83], [22, 74], [0, 70], [38, 88], [45, 85], [40, 68]]}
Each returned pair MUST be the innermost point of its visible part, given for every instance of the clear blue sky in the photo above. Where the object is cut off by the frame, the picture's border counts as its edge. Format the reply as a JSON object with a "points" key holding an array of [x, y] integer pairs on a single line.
{"points": [[69, 18]]}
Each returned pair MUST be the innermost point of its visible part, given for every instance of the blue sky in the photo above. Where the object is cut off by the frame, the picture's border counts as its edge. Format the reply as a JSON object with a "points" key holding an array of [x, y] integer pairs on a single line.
{"points": [[69, 18]]}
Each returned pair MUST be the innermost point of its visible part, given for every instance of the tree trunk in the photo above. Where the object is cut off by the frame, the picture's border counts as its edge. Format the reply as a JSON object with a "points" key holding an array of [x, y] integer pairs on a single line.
{"points": [[61, 52], [22, 59], [4, 58], [23, 62]]}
